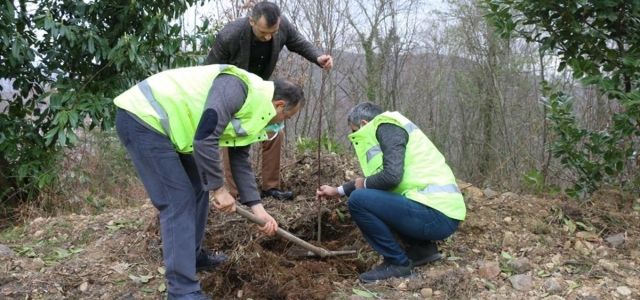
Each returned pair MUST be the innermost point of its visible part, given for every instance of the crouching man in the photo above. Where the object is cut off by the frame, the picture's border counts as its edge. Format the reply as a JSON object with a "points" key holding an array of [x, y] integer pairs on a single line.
{"points": [[408, 189]]}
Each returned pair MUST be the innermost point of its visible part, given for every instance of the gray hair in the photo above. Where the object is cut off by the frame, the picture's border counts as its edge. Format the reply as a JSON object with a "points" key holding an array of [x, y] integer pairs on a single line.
{"points": [[289, 91], [364, 111]]}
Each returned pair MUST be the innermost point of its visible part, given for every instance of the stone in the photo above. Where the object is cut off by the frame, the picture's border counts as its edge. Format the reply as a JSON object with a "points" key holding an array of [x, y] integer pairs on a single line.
{"points": [[520, 265], [84, 287], [509, 240], [623, 290], [426, 292], [37, 264], [616, 239], [489, 270], [5, 251], [521, 282], [489, 193], [507, 220], [552, 286]]}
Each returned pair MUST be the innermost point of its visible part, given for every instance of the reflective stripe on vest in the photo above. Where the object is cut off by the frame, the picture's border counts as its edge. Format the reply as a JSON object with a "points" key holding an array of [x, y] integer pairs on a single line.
{"points": [[162, 114], [447, 188], [237, 127], [409, 127], [375, 150], [164, 117]]}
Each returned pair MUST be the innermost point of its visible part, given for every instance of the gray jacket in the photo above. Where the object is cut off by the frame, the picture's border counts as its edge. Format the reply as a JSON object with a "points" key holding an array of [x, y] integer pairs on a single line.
{"points": [[233, 43]]}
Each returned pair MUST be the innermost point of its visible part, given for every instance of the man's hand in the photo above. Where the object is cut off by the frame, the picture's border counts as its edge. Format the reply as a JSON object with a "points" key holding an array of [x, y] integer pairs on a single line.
{"points": [[359, 183], [325, 61], [223, 201], [326, 191], [271, 226]]}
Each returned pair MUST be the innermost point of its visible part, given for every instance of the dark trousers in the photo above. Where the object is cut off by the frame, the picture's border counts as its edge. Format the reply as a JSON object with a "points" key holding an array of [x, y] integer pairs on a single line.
{"points": [[270, 166], [380, 214], [173, 184]]}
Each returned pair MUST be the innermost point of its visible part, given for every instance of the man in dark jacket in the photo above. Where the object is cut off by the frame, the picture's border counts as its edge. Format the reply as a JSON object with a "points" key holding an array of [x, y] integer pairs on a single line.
{"points": [[254, 44]]}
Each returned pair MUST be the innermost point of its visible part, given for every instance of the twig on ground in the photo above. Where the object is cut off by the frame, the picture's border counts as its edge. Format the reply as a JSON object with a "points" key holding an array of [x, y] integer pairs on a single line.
{"points": [[370, 292]]}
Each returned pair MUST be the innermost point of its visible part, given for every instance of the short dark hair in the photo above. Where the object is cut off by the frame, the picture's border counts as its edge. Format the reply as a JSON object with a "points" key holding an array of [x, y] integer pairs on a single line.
{"points": [[289, 91], [269, 10], [364, 111]]}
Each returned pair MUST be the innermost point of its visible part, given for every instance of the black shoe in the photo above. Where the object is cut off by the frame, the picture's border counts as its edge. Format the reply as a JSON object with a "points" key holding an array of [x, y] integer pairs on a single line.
{"points": [[275, 193], [191, 296], [423, 254], [206, 261], [388, 270]]}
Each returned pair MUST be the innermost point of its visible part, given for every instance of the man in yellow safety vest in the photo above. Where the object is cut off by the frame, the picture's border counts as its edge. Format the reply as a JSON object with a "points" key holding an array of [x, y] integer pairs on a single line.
{"points": [[173, 125], [408, 189]]}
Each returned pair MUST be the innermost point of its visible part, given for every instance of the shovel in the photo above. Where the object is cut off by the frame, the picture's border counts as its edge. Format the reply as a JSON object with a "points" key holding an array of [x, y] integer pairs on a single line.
{"points": [[310, 250]]}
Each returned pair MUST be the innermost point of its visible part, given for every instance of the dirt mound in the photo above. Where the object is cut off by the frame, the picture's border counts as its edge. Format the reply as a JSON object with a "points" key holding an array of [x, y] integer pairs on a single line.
{"points": [[510, 247]]}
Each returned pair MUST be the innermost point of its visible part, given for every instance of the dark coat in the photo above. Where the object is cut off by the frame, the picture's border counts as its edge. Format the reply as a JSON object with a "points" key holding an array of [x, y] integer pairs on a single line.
{"points": [[233, 43]]}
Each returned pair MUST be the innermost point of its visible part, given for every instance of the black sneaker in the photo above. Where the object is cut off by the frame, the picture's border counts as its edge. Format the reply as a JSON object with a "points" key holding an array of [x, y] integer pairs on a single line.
{"points": [[206, 261], [423, 254], [191, 296], [388, 270], [275, 193]]}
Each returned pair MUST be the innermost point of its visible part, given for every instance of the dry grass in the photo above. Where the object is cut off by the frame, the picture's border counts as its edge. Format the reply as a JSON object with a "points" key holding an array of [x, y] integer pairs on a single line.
{"points": [[95, 175]]}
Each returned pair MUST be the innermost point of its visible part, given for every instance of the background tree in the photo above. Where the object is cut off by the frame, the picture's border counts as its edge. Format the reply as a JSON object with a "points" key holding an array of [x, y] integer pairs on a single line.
{"points": [[65, 60], [598, 41], [323, 24]]}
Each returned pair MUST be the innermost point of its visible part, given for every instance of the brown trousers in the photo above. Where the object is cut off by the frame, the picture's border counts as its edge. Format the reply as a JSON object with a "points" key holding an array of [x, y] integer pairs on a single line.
{"points": [[270, 166]]}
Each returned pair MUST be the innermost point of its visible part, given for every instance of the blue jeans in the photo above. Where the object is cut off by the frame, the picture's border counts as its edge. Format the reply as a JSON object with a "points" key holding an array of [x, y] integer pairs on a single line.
{"points": [[379, 214], [173, 184]]}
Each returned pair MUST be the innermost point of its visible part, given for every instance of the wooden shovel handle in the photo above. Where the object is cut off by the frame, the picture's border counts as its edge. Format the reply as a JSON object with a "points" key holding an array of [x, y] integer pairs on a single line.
{"points": [[316, 250]]}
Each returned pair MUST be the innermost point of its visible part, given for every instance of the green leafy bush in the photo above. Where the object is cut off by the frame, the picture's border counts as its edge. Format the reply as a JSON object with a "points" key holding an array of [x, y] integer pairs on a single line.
{"points": [[64, 61]]}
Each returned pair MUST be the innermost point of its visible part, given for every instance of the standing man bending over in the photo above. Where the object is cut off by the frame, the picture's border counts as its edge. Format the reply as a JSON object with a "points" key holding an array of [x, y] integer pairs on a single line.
{"points": [[172, 125], [254, 44]]}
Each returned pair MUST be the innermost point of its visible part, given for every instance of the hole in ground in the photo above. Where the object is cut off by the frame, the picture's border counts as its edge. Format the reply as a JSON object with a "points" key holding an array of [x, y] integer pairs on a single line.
{"points": [[260, 269]]}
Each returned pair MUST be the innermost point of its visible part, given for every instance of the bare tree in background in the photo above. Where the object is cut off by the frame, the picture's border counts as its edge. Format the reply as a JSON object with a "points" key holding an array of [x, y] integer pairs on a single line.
{"points": [[386, 31], [492, 92], [321, 22], [475, 95]]}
